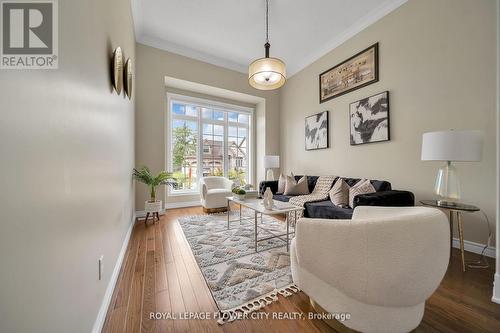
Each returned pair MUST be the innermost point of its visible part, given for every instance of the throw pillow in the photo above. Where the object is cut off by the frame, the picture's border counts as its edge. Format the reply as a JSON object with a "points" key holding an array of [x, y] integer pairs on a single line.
{"points": [[281, 184], [339, 194], [362, 187], [293, 187]]}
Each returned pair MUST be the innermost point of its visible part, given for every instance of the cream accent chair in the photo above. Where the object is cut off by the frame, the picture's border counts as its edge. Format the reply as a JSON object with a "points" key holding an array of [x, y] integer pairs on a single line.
{"points": [[213, 193], [380, 267]]}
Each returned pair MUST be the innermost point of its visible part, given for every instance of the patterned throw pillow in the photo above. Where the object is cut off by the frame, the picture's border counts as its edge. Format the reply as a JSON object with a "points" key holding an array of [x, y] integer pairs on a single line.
{"points": [[339, 194], [293, 187], [361, 187], [281, 184]]}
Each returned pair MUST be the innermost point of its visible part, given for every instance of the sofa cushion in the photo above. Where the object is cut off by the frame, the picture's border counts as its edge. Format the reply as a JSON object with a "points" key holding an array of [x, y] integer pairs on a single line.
{"points": [[294, 187], [339, 194], [311, 181], [362, 187], [326, 210], [379, 185], [281, 184], [282, 197]]}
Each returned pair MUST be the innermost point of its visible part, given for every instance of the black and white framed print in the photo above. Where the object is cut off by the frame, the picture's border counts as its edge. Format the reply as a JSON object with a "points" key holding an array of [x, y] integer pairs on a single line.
{"points": [[316, 131], [369, 119]]}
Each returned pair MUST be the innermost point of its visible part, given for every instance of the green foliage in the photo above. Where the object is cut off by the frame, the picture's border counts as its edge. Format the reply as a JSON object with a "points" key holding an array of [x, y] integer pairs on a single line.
{"points": [[238, 174], [184, 145], [145, 176], [239, 190]]}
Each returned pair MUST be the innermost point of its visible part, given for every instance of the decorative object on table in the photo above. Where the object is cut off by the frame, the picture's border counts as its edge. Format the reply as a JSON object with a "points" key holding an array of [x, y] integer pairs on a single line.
{"points": [[451, 146], [316, 131], [369, 119], [267, 73], [271, 162], [358, 71], [239, 193], [213, 193], [268, 199], [238, 277], [455, 214], [336, 267], [117, 70], [145, 176], [128, 78]]}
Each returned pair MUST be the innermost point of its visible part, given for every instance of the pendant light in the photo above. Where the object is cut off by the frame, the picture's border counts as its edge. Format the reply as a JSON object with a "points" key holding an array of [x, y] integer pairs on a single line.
{"points": [[267, 73]]}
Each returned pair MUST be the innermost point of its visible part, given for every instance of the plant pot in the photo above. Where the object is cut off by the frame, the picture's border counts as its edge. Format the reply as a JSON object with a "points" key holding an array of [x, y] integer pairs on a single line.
{"points": [[240, 196], [152, 206]]}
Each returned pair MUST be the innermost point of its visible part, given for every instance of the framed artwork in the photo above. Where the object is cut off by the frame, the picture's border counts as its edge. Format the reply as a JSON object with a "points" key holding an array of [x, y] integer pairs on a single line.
{"points": [[316, 131], [358, 71], [369, 119]]}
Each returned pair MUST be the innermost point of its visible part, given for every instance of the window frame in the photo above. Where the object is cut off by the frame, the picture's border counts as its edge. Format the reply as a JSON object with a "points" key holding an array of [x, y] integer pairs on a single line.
{"points": [[200, 103]]}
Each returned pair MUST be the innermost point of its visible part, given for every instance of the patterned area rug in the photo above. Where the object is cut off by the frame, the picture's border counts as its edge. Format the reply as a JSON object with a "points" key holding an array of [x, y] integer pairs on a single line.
{"points": [[240, 279]]}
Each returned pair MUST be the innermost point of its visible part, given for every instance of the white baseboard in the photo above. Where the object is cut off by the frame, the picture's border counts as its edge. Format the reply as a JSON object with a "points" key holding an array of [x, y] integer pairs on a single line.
{"points": [[475, 248], [183, 204], [140, 214], [496, 289], [101, 315]]}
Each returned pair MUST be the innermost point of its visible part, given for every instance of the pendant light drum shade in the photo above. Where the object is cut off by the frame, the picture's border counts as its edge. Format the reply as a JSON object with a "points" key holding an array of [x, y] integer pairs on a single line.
{"points": [[267, 73]]}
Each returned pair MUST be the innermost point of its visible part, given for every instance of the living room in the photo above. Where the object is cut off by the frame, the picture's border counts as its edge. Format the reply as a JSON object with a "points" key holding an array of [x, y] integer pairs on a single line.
{"points": [[309, 166]]}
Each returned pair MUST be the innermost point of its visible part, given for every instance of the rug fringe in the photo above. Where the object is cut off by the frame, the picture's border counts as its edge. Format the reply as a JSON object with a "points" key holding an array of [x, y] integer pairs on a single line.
{"points": [[257, 303]]}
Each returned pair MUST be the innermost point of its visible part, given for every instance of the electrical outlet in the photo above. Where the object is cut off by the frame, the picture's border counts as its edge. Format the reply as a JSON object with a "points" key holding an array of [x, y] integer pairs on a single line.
{"points": [[101, 267]]}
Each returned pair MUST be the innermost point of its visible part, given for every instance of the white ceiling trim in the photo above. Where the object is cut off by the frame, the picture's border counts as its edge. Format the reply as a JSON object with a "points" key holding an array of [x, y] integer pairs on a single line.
{"points": [[358, 26], [190, 53]]}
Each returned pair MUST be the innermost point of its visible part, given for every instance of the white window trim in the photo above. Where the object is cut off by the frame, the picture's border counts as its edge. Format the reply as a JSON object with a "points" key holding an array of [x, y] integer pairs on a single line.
{"points": [[226, 123]]}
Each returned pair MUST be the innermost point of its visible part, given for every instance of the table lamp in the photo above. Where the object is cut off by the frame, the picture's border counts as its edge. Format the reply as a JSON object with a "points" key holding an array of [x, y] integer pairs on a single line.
{"points": [[271, 162], [451, 146]]}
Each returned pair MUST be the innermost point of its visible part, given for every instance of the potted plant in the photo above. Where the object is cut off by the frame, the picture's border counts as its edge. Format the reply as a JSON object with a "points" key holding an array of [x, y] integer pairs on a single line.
{"points": [[239, 193], [145, 176]]}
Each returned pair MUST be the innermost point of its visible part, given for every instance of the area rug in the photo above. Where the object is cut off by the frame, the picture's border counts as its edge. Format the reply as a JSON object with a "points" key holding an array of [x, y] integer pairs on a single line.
{"points": [[240, 279]]}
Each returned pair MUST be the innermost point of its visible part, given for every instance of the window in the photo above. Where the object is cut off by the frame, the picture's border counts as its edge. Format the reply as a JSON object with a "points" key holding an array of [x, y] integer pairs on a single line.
{"points": [[207, 139]]}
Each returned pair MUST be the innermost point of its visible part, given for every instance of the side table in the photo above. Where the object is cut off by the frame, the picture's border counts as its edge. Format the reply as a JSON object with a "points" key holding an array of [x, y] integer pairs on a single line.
{"points": [[455, 213]]}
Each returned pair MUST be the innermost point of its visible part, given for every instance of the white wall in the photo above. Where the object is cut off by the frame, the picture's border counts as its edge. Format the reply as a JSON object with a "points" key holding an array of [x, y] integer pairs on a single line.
{"points": [[67, 147], [437, 59]]}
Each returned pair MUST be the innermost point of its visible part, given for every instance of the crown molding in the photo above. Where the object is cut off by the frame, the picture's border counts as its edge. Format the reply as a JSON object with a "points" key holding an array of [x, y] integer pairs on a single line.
{"points": [[364, 22], [353, 30], [191, 53]]}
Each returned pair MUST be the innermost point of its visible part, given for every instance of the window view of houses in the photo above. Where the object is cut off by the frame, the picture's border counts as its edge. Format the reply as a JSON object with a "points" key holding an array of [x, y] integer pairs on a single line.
{"points": [[224, 148]]}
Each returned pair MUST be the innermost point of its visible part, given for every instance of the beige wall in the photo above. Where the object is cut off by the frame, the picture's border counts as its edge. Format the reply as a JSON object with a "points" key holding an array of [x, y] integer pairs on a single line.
{"points": [[152, 66], [67, 147], [437, 59]]}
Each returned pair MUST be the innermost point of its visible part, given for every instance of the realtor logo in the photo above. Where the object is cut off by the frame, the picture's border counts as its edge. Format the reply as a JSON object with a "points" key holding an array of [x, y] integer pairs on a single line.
{"points": [[29, 38]]}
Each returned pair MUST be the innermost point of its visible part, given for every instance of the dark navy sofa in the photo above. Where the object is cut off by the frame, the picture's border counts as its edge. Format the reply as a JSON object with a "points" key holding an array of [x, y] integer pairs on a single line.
{"points": [[384, 196]]}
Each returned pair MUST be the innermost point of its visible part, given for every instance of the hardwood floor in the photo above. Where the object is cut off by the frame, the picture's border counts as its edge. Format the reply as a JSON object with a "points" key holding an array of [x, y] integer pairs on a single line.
{"points": [[159, 274]]}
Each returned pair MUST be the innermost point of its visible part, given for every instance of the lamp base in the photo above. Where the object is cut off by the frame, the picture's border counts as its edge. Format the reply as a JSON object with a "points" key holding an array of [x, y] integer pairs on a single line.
{"points": [[269, 174]]}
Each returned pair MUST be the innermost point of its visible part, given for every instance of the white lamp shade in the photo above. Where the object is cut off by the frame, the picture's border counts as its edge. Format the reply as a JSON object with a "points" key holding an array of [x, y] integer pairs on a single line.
{"points": [[271, 161], [267, 73], [462, 146]]}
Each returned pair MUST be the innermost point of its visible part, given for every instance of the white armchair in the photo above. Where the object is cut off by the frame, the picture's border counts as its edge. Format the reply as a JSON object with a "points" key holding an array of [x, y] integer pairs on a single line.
{"points": [[213, 193], [380, 267]]}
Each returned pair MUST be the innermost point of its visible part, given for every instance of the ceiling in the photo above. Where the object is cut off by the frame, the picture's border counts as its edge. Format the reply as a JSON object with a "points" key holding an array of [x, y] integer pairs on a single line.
{"points": [[231, 33]]}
